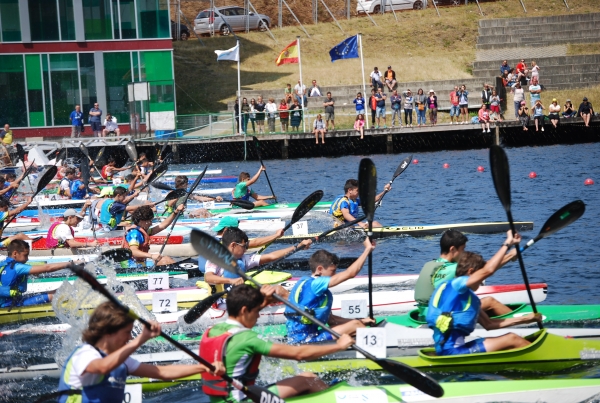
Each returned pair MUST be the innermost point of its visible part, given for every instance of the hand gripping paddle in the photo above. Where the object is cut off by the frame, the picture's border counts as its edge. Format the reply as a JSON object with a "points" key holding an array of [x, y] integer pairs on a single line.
{"points": [[85, 152], [367, 189], [257, 144], [401, 168], [214, 251]]}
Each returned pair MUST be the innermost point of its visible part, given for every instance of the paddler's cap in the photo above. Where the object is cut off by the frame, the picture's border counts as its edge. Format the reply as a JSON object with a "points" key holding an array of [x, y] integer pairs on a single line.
{"points": [[584, 99], [71, 212], [225, 222]]}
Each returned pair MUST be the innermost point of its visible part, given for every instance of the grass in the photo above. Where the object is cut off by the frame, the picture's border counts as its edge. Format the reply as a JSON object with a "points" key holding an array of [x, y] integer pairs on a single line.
{"points": [[420, 46]]}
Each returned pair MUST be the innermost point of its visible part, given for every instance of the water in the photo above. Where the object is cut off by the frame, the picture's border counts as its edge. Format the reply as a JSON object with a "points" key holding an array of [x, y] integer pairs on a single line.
{"points": [[424, 194]]}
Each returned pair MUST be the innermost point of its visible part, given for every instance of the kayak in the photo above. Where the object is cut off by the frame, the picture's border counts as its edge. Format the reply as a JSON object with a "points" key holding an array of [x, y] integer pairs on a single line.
{"points": [[320, 206]]}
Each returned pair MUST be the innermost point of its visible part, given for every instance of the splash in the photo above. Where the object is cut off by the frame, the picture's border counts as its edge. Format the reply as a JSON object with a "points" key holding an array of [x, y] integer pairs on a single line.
{"points": [[44, 218]]}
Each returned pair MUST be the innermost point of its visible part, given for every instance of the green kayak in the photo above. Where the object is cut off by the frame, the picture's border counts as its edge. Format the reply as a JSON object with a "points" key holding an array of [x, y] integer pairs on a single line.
{"points": [[320, 206]]}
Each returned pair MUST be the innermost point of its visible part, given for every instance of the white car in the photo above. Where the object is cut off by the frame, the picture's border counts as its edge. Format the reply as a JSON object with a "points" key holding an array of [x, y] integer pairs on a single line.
{"points": [[208, 21], [374, 6]]}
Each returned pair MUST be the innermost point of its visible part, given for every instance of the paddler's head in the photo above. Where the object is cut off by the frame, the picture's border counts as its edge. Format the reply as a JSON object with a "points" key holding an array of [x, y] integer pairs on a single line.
{"points": [[72, 218], [181, 182], [452, 244], [244, 177], [351, 189], [244, 303], [323, 263], [18, 250], [119, 194], [3, 205], [70, 174], [111, 162], [469, 263], [109, 328], [236, 242], [143, 216]]}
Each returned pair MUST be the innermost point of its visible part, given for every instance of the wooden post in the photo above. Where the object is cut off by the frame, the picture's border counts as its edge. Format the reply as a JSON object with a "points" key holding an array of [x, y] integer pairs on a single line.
{"points": [[497, 130], [390, 144], [284, 149], [175, 151]]}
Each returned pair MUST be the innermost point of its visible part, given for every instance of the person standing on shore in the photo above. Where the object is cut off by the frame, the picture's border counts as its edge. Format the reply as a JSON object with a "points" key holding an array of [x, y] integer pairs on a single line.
{"points": [[409, 104], [518, 98], [95, 120], [463, 103], [76, 119], [454, 108]]}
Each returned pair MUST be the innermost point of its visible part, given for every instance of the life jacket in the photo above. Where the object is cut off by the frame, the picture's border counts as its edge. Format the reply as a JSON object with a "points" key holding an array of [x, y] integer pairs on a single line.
{"points": [[215, 385], [303, 296], [336, 207], [105, 173], [51, 241], [444, 317], [110, 389], [111, 213], [144, 247], [241, 264], [11, 284], [8, 194], [244, 197], [76, 193]]}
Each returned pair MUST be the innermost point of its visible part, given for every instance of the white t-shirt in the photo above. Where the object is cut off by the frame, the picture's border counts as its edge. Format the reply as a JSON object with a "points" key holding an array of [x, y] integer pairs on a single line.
{"points": [[250, 262], [62, 232], [535, 71], [299, 90], [314, 92], [376, 75], [111, 125], [65, 184], [80, 361]]}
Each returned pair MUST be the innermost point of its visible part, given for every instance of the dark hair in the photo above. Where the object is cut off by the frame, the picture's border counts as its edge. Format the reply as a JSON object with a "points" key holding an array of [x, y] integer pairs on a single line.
{"points": [[18, 246], [4, 202], [243, 296], [469, 260], [130, 177], [181, 181], [350, 183], [107, 318], [242, 176], [69, 171], [452, 238], [10, 176], [142, 213], [119, 190], [2, 179], [111, 160], [322, 258], [234, 235]]}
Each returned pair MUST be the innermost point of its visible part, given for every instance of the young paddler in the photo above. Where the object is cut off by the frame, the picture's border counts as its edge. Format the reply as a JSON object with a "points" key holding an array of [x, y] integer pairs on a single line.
{"points": [[108, 170], [61, 233], [181, 182], [110, 211], [241, 349], [242, 190], [100, 366], [454, 308], [345, 207]]}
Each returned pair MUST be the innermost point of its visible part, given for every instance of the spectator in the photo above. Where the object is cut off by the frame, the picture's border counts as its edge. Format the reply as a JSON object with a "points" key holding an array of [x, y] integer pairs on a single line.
{"points": [[433, 107], [554, 110], [538, 115], [495, 103], [390, 78], [523, 113], [295, 115], [110, 126], [409, 104], [373, 106], [376, 79], [463, 103], [284, 115], [315, 90], [486, 96], [522, 72], [288, 93], [271, 109], [380, 109], [518, 98], [319, 128], [94, 119], [260, 107], [359, 101], [236, 115], [396, 101], [76, 119], [359, 124], [585, 111], [6, 135], [421, 105], [535, 90], [568, 111], [454, 108], [300, 91], [253, 114], [504, 68], [245, 114], [511, 78], [329, 111], [484, 118], [535, 70]]}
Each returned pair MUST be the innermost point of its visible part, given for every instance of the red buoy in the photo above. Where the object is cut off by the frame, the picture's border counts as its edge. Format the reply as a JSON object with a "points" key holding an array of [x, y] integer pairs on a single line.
{"points": [[446, 165], [480, 168], [588, 181], [415, 161], [532, 175]]}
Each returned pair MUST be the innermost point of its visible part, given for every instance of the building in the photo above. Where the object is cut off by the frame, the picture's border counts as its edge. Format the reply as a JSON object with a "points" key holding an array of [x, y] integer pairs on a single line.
{"points": [[55, 54]]}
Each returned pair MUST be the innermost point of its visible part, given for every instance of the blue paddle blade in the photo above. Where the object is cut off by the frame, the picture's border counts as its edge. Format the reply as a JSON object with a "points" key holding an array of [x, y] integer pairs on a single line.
{"points": [[367, 187], [500, 175]]}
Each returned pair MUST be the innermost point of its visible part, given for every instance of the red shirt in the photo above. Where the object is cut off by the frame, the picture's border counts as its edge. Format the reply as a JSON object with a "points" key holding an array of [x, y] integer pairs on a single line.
{"points": [[283, 115], [521, 67], [454, 98]]}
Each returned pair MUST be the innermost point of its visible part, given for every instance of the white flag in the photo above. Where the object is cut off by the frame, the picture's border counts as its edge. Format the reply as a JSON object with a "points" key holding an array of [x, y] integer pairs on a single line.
{"points": [[229, 54]]}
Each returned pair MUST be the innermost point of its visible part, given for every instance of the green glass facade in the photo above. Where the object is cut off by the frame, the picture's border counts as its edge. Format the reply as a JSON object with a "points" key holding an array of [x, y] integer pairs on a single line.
{"points": [[13, 101], [9, 21]]}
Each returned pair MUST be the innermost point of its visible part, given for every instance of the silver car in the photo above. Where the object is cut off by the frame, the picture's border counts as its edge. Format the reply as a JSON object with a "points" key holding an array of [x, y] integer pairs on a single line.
{"points": [[374, 6], [207, 21]]}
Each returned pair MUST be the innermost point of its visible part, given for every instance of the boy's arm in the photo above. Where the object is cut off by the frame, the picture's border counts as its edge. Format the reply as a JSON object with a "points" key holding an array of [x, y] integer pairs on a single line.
{"points": [[256, 176], [270, 257], [495, 263], [19, 209], [355, 267], [49, 268], [256, 242]]}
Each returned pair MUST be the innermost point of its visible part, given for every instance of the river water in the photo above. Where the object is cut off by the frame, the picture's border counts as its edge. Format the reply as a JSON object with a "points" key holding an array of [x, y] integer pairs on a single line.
{"points": [[425, 193]]}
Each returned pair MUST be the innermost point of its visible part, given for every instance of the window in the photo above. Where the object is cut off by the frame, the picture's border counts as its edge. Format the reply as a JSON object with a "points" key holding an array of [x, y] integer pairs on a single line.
{"points": [[10, 21], [97, 19], [47, 90], [153, 19], [65, 86], [127, 18], [43, 20], [117, 74], [12, 87], [157, 69], [66, 20], [35, 96], [87, 77]]}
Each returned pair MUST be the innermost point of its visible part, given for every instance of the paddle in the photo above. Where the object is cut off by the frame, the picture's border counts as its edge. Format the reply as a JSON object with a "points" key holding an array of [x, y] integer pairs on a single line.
{"points": [[172, 195], [367, 188], [257, 144], [255, 393], [501, 177], [20, 152], [25, 175], [118, 254], [563, 217], [245, 204], [131, 151], [85, 152], [162, 151], [155, 174], [217, 253], [162, 186], [60, 155], [403, 165], [100, 154]]}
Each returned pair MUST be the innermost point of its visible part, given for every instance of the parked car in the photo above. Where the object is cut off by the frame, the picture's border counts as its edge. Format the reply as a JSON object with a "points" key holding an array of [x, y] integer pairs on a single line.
{"points": [[374, 6], [236, 17], [185, 31]]}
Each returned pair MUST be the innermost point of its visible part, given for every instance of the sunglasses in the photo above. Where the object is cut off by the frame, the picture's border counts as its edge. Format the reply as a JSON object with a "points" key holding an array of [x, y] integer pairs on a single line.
{"points": [[244, 246]]}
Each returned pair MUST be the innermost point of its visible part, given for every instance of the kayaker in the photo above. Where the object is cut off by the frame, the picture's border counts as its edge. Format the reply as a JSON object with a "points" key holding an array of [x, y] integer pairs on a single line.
{"points": [[242, 190], [345, 207], [14, 274], [313, 295], [240, 349], [110, 168], [77, 188], [454, 308], [436, 272], [100, 366], [110, 211], [137, 236], [130, 182], [61, 233], [11, 184], [182, 182], [6, 214]]}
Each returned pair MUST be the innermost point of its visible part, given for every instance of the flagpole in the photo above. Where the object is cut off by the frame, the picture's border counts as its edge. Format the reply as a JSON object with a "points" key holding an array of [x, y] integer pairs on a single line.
{"points": [[301, 85], [362, 64], [240, 117]]}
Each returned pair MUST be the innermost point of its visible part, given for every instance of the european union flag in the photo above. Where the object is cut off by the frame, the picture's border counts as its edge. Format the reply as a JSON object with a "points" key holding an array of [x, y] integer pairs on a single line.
{"points": [[347, 49]]}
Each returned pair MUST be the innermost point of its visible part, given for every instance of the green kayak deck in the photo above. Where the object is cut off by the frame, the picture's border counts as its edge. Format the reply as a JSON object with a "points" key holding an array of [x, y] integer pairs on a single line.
{"points": [[275, 206]]}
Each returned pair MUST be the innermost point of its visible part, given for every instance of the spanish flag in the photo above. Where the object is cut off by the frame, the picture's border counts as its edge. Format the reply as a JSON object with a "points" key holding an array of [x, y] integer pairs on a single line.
{"points": [[289, 54]]}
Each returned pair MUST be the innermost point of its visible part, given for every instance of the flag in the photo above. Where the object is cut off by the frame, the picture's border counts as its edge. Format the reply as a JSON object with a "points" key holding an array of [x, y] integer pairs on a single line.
{"points": [[347, 49], [289, 54], [229, 54]]}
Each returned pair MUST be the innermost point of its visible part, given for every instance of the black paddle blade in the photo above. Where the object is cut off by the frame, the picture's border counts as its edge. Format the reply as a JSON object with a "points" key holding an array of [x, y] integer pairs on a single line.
{"points": [[131, 151], [412, 376], [306, 205], [208, 247], [118, 255], [367, 187], [175, 194], [197, 181], [201, 307], [403, 165], [257, 145], [563, 217], [84, 167], [261, 395], [162, 186], [84, 150], [245, 204], [100, 153], [46, 179], [61, 155], [20, 152], [500, 175], [159, 170]]}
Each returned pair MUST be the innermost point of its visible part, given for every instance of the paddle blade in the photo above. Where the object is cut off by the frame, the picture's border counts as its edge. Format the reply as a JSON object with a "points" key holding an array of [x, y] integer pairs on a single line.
{"points": [[20, 152], [61, 155], [500, 175], [261, 395], [161, 186], [367, 187], [118, 255], [201, 307], [403, 165], [195, 184], [563, 217], [131, 150], [412, 376], [84, 167], [84, 150], [100, 155], [245, 204], [175, 194], [306, 205], [208, 247], [257, 145], [46, 179]]}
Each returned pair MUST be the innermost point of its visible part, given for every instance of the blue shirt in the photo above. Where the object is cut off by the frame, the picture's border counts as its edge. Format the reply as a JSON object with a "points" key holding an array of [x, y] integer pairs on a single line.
{"points": [[95, 118], [134, 237], [360, 104], [76, 193], [76, 118], [318, 298], [11, 278]]}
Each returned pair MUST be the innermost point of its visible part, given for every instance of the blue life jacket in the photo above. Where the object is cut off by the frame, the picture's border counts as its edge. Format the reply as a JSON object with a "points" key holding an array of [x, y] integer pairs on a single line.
{"points": [[8, 194], [241, 265], [111, 213], [303, 297], [336, 207], [11, 284], [109, 390], [76, 193], [451, 312]]}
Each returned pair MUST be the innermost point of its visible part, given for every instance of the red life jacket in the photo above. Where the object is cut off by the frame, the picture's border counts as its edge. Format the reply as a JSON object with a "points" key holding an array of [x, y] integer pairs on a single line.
{"points": [[215, 385], [144, 247], [105, 174], [51, 241]]}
